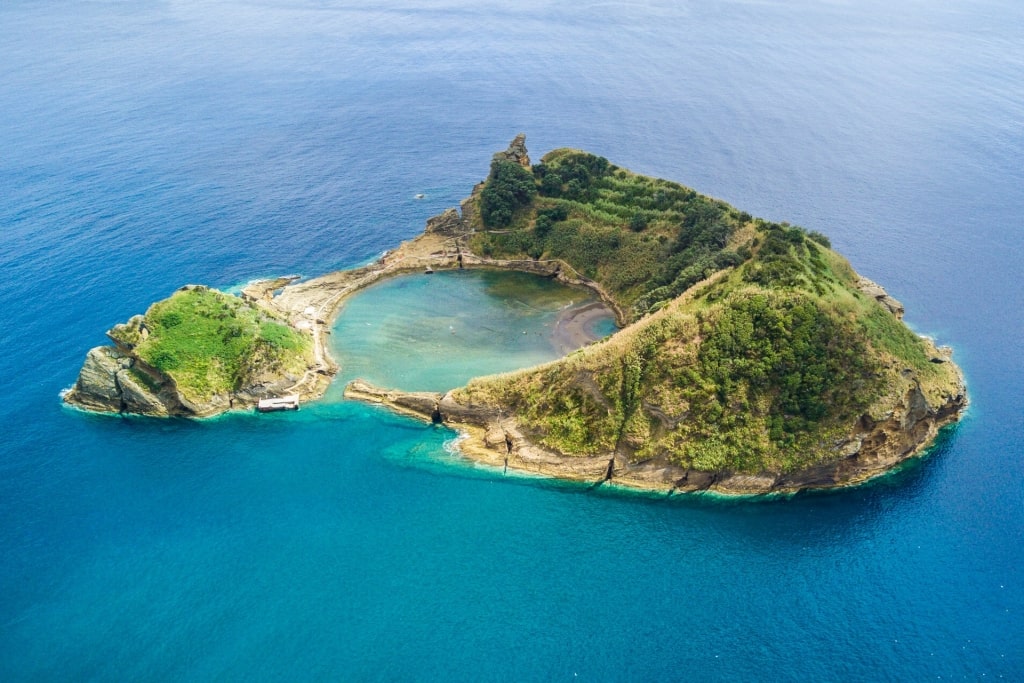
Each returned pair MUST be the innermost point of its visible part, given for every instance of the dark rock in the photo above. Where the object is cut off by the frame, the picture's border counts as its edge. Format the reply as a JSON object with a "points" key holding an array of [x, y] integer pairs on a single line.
{"points": [[449, 224], [516, 152]]}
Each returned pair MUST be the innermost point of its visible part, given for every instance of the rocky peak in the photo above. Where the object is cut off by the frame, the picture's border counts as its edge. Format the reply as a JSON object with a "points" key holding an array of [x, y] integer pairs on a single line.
{"points": [[516, 152]]}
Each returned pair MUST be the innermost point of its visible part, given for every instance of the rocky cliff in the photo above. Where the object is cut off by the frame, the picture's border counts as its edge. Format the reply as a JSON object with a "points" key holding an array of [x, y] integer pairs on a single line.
{"points": [[516, 152], [871, 447]]}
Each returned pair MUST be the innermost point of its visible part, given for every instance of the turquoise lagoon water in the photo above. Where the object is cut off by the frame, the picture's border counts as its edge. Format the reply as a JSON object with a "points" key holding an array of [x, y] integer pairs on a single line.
{"points": [[436, 332], [147, 145]]}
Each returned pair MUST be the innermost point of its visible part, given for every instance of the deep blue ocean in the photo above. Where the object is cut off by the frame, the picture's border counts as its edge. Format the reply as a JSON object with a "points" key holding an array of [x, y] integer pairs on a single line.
{"points": [[146, 145]]}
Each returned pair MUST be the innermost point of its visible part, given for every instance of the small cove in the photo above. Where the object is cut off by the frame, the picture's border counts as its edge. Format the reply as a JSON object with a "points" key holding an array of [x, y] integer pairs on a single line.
{"points": [[436, 332]]}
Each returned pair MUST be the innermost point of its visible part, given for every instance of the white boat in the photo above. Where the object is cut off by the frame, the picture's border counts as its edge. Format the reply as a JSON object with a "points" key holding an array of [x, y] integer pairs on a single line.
{"points": [[270, 405]]}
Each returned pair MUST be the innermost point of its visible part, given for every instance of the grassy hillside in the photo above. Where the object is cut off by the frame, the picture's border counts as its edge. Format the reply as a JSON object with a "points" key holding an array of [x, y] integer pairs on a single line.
{"points": [[753, 348], [212, 343], [645, 240]]}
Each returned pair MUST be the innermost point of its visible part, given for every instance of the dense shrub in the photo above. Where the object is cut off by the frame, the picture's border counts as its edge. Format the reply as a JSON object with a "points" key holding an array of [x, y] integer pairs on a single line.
{"points": [[786, 353], [509, 188], [612, 209], [820, 238]]}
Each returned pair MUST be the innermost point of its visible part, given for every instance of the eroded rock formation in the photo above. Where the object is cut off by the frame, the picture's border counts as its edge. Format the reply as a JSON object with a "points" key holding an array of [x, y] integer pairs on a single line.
{"points": [[516, 152]]}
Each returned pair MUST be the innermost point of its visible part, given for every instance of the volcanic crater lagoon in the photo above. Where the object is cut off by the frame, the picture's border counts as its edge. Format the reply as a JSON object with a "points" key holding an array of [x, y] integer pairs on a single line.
{"points": [[436, 332]]}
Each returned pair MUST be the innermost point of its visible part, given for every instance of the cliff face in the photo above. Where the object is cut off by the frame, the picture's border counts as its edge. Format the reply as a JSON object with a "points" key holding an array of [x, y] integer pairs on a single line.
{"points": [[110, 382]]}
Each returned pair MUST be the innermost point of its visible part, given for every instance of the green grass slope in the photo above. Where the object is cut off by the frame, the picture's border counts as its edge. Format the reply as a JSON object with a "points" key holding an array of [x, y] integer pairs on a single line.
{"points": [[213, 343], [753, 349]]}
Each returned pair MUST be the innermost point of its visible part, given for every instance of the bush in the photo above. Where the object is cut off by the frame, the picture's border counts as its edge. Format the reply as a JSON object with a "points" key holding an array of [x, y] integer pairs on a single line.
{"points": [[638, 222], [170, 319], [820, 239], [542, 227], [551, 185], [726, 259]]}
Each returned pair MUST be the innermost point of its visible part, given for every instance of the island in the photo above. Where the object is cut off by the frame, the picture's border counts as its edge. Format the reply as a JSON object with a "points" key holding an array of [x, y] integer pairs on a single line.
{"points": [[751, 358]]}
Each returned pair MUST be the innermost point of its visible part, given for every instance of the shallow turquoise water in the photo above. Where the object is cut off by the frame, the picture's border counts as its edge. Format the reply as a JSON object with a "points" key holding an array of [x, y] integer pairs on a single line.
{"points": [[436, 332], [147, 145]]}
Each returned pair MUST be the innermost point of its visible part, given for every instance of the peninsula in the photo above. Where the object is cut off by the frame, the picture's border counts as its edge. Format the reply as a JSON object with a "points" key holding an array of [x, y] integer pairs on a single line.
{"points": [[752, 358]]}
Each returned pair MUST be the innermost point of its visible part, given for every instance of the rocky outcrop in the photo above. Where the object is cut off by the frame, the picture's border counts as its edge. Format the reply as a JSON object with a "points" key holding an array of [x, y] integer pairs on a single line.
{"points": [[198, 323], [423, 404], [113, 381], [878, 293], [97, 387], [262, 291], [516, 152], [448, 224]]}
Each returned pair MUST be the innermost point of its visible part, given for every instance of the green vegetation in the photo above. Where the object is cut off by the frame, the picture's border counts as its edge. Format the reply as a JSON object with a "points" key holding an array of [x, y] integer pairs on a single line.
{"points": [[509, 188], [753, 349], [212, 343], [645, 240]]}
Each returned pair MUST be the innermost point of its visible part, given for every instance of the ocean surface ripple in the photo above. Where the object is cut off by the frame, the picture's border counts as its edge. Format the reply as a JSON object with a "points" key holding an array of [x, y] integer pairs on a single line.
{"points": [[144, 146]]}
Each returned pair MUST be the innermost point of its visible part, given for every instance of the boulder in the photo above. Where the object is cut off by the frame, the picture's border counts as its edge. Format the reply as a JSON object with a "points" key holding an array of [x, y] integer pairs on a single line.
{"points": [[448, 224]]}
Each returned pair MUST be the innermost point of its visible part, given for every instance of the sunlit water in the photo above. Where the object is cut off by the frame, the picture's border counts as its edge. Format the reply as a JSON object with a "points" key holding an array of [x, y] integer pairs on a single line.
{"points": [[147, 145], [436, 332]]}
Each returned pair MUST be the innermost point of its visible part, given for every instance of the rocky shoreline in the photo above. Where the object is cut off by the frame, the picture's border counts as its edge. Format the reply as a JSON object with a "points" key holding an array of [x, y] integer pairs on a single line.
{"points": [[495, 438]]}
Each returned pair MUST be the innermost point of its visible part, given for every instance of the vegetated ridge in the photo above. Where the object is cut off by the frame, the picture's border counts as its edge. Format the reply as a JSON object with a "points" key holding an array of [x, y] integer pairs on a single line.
{"points": [[755, 358]]}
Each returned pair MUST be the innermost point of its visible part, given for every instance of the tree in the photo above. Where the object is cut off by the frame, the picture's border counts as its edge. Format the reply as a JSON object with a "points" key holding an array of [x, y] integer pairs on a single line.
{"points": [[638, 222], [551, 185], [509, 187]]}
